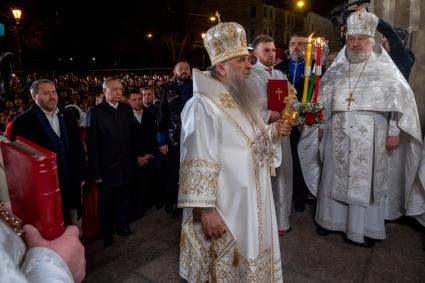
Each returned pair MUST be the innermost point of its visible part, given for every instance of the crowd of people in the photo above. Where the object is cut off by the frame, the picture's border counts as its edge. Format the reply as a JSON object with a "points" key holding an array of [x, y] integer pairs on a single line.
{"points": [[206, 146]]}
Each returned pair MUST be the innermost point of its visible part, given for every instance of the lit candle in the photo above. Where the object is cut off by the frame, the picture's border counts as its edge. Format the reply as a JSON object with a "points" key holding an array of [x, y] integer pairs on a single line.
{"points": [[307, 70], [318, 69]]}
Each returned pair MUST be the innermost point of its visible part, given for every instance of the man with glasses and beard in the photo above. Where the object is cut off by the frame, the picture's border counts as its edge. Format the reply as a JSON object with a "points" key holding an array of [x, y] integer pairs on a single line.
{"points": [[229, 230], [174, 96], [371, 144]]}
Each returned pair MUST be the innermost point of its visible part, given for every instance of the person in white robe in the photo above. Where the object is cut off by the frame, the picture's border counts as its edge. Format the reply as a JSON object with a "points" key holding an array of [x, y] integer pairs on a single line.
{"points": [[229, 231], [262, 71], [371, 142]]}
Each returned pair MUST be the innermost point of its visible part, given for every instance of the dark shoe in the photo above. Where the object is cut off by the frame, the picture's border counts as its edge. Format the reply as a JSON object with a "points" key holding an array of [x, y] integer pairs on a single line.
{"points": [[124, 232], [367, 243], [299, 205], [177, 212], [323, 232], [108, 242]]}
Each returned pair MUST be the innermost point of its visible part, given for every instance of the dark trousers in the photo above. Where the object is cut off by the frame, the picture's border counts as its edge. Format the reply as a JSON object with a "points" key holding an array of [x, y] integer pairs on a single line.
{"points": [[113, 209], [300, 190], [145, 192], [170, 174]]}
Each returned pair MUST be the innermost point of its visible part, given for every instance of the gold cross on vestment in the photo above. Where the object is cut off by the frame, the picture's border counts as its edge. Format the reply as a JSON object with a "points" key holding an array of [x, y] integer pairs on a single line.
{"points": [[350, 99], [279, 92]]}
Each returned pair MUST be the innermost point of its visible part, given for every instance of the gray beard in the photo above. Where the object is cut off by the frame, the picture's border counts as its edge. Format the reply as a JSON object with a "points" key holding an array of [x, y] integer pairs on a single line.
{"points": [[242, 91]]}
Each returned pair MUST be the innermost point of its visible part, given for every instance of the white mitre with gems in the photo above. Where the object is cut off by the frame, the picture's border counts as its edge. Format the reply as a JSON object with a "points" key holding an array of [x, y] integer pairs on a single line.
{"points": [[225, 41]]}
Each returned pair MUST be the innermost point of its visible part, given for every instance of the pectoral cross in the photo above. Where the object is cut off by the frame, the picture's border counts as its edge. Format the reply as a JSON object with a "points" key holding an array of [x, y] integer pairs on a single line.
{"points": [[350, 99], [279, 92]]}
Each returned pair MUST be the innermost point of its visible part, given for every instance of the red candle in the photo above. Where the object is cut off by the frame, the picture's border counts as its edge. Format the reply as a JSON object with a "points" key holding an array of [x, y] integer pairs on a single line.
{"points": [[318, 69]]}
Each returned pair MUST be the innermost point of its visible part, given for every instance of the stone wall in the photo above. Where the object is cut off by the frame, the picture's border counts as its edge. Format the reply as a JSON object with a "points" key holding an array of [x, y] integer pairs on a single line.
{"points": [[407, 14]]}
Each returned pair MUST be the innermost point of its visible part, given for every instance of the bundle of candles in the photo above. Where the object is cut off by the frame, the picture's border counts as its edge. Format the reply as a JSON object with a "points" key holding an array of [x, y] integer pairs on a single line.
{"points": [[311, 111]]}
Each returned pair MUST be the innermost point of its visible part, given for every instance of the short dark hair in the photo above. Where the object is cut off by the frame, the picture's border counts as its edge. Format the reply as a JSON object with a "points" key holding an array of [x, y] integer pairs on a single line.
{"points": [[299, 34], [260, 39], [35, 85]]}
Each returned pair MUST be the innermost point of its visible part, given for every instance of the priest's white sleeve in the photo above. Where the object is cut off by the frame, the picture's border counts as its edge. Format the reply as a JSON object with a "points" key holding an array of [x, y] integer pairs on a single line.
{"points": [[199, 157]]}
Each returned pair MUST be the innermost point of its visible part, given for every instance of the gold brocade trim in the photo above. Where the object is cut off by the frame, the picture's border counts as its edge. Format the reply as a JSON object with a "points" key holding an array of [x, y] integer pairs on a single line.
{"points": [[230, 54], [196, 202], [198, 177], [256, 162], [227, 101], [202, 260], [200, 163]]}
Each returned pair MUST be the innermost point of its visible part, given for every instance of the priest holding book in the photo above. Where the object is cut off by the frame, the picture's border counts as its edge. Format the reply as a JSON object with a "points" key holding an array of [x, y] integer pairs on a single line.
{"points": [[272, 86]]}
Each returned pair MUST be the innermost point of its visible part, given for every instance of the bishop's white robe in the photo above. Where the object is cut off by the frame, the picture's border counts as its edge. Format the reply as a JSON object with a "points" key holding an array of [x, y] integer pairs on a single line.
{"points": [[225, 165], [361, 183], [282, 183]]}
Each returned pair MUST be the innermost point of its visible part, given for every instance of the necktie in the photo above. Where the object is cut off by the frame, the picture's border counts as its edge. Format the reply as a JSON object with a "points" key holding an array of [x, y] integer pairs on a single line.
{"points": [[269, 69]]}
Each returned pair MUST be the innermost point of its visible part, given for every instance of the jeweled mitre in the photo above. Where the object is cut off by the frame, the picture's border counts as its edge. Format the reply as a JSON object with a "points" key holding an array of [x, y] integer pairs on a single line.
{"points": [[362, 23], [225, 41]]}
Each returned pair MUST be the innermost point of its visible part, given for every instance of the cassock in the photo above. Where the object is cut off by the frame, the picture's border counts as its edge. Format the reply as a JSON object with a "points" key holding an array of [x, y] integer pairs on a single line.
{"points": [[361, 183], [226, 164], [282, 182]]}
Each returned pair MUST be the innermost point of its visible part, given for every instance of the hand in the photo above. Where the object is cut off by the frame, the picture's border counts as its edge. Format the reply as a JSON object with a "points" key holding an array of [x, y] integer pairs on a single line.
{"points": [[274, 116], [393, 142], [283, 128], [67, 246], [163, 149], [361, 8], [98, 181], [212, 224]]}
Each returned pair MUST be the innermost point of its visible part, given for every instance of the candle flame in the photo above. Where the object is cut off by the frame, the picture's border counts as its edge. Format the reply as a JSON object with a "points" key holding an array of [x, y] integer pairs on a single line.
{"points": [[318, 41], [309, 38]]}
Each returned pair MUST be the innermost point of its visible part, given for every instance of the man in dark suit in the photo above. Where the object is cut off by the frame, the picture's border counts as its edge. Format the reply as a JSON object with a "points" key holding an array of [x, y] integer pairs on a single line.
{"points": [[294, 70], [56, 130], [174, 96], [146, 180], [111, 138]]}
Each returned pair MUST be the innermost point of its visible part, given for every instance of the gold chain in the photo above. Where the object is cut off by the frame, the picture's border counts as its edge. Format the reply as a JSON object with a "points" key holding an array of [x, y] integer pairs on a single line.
{"points": [[358, 79], [11, 220]]}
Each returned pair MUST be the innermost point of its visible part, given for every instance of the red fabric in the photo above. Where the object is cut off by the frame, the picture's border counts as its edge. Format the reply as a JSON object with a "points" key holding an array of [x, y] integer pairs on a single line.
{"points": [[8, 131], [277, 90], [90, 216], [310, 119]]}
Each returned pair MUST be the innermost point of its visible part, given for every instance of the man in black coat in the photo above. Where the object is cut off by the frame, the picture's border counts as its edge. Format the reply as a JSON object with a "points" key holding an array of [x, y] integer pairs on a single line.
{"points": [[174, 96], [56, 130], [111, 138], [146, 180]]}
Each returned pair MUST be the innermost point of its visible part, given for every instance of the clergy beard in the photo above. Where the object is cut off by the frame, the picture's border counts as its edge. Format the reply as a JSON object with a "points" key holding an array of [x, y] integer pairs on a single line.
{"points": [[241, 90], [360, 55]]}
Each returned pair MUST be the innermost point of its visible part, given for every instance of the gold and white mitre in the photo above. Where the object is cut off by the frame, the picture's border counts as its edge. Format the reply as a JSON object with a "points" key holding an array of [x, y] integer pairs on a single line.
{"points": [[362, 23], [225, 41]]}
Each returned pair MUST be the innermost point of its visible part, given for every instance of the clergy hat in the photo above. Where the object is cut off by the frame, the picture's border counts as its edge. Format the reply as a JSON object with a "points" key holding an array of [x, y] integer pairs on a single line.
{"points": [[225, 41], [362, 23]]}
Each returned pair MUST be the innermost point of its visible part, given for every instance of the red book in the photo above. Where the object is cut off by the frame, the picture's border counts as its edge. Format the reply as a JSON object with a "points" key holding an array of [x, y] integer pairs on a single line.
{"points": [[277, 90], [32, 180]]}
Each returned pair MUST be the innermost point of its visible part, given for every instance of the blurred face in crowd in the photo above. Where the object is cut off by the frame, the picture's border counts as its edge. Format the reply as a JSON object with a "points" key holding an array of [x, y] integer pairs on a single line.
{"points": [[252, 57], [113, 91], [8, 104], [182, 71], [135, 100], [329, 59], [148, 96], [46, 97], [297, 46], [18, 102], [266, 53], [359, 48]]}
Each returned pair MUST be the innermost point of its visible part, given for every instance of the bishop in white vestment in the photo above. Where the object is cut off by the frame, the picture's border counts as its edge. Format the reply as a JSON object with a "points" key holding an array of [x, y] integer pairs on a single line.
{"points": [[226, 156], [371, 143]]}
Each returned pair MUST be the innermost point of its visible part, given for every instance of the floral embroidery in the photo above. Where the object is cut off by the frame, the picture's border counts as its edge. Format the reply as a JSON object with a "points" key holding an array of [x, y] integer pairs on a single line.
{"points": [[227, 101], [198, 177]]}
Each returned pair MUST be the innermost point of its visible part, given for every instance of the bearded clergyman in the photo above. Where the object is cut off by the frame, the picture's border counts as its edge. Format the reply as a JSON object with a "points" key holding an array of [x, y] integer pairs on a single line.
{"points": [[229, 230], [371, 143]]}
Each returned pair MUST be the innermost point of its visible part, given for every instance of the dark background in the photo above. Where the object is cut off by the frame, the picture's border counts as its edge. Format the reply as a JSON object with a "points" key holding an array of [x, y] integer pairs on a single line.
{"points": [[52, 32]]}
